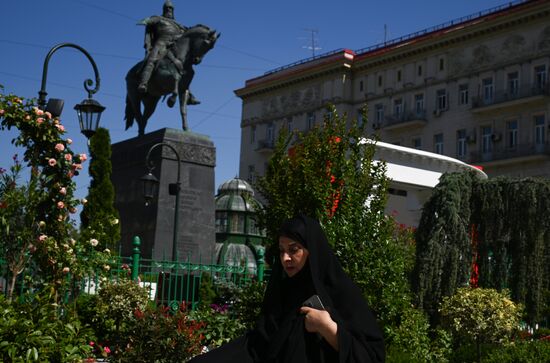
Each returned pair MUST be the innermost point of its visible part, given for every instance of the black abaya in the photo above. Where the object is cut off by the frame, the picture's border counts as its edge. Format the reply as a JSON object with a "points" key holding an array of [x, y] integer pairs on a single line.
{"points": [[280, 335]]}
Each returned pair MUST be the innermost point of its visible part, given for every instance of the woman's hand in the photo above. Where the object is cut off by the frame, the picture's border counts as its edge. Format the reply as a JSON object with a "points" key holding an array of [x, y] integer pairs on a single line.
{"points": [[319, 321]]}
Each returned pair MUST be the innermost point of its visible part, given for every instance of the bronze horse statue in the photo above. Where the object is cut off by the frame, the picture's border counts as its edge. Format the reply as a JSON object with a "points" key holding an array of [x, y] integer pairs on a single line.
{"points": [[166, 79]]}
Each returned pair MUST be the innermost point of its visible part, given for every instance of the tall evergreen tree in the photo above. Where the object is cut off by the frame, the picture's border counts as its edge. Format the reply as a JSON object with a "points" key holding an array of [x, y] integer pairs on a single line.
{"points": [[99, 218]]}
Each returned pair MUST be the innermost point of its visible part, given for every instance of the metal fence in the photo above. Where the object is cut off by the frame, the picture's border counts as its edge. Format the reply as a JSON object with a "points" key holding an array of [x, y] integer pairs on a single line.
{"points": [[169, 282]]}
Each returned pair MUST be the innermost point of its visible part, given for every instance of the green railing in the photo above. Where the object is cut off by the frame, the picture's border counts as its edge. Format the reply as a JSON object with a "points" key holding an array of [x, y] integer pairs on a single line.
{"points": [[169, 282]]}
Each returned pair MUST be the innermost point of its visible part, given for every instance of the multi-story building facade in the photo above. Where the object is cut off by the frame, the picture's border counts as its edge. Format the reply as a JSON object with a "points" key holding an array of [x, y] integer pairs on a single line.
{"points": [[475, 89]]}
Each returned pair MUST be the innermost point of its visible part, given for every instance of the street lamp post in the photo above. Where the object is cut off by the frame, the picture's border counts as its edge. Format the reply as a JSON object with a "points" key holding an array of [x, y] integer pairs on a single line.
{"points": [[89, 111], [150, 183]]}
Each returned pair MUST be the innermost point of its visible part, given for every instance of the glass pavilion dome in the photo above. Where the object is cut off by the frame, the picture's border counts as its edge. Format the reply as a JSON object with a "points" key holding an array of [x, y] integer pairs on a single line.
{"points": [[238, 237]]}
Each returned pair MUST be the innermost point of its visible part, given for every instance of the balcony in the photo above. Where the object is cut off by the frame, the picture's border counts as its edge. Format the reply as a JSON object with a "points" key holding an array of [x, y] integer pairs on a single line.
{"points": [[405, 120], [265, 146], [527, 93], [520, 153]]}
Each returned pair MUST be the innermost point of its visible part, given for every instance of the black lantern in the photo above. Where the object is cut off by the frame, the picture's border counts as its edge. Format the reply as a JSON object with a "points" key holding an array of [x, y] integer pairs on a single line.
{"points": [[150, 185], [89, 113]]}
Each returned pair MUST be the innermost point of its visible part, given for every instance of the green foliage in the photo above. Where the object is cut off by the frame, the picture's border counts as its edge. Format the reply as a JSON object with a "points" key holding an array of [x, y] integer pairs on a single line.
{"points": [[18, 224], [119, 299], [521, 352], [444, 251], [99, 217], [159, 335], [480, 316], [247, 304], [411, 342], [495, 224], [37, 332], [219, 325]]}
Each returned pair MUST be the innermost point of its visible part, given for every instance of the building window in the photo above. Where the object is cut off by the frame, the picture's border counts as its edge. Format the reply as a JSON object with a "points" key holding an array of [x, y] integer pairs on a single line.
{"points": [[486, 139], [540, 76], [310, 120], [251, 173], [461, 144], [398, 108], [270, 134], [441, 64], [379, 112], [438, 143], [463, 94], [540, 130], [253, 134], [419, 104], [398, 76], [360, 86], [419, 70], [441, 99], [379, 81], [513, 83], [417, 143], [487, 86], [512, 134]]}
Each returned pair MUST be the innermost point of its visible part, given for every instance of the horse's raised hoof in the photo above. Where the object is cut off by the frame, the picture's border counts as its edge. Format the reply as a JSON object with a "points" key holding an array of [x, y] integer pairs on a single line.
{"points": [[171, 101]]}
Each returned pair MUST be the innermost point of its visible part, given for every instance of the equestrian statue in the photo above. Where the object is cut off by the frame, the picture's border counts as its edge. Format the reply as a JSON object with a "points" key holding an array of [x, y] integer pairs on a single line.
{"points": [[171, 51]]}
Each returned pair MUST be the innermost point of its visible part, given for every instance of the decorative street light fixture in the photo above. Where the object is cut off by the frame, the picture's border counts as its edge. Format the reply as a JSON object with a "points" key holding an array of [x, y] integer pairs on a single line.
{"points": [[89, 111], [150, 185]]}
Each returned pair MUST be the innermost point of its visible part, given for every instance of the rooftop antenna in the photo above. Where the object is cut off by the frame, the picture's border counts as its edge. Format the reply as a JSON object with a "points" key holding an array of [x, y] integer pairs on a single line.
{"points": [[313, 47]]}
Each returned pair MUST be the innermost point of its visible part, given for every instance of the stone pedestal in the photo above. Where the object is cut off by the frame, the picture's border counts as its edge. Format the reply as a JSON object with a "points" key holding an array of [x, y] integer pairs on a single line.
{"points": [[154, 224]]}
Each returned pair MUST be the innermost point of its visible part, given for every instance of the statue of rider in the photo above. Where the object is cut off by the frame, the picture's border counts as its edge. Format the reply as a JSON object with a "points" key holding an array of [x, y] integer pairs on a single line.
{"points": [[160, 34]]}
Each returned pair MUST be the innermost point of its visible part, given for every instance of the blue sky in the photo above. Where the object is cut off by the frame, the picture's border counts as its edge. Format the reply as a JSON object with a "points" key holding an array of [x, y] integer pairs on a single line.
{"points": [[257, 36]]}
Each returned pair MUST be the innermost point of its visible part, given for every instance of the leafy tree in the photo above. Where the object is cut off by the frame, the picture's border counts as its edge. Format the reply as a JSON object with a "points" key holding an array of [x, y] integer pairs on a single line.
{"points": [[493, 227], [99, 218], [481, 315]]}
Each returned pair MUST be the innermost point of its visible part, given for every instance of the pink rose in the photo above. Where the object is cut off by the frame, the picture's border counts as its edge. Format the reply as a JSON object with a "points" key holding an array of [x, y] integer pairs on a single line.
{"points": [[70, 174], [63, 191], [69, 141], [59, 147], [60, 205], [60, 127], [48, 115], [2, 111], [38, 111], [27, 117], [42, 237], [66, 270], [107, 350], [83, 157], [52, 162], [68, 157], [39, 120], [77, 166]]}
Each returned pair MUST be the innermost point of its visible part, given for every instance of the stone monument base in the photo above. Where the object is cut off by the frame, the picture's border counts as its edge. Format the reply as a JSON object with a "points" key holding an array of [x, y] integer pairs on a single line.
{"points": [[154, 223]]}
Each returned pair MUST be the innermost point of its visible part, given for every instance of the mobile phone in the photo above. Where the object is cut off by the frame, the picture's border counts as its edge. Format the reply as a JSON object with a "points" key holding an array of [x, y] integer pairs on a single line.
{"points": [[314, 302]]}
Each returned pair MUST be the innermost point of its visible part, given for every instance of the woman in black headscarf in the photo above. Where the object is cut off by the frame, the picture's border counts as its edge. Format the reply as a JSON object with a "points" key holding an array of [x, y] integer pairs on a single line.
{"points": [[342, 330]]}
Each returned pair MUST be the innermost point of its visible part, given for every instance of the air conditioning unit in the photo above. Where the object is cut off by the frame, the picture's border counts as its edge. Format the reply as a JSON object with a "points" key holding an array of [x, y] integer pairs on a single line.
{"points": [[497, 136]]}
